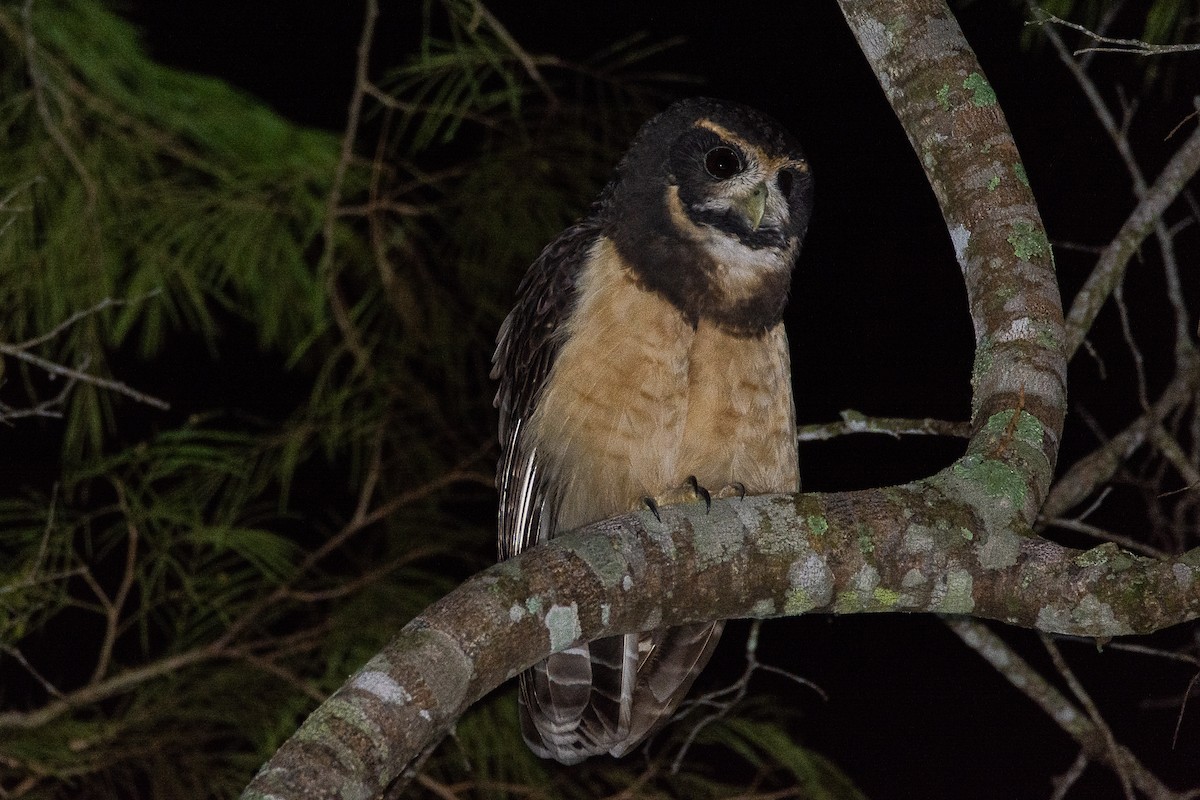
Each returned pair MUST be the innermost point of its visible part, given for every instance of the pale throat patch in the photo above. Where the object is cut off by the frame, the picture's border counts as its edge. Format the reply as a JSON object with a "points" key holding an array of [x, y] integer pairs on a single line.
{"points": [[739, 270]]}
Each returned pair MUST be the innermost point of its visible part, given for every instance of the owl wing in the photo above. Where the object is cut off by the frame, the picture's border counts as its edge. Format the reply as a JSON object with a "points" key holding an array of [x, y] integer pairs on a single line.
{"points": [[607, 695], [526, 347]]}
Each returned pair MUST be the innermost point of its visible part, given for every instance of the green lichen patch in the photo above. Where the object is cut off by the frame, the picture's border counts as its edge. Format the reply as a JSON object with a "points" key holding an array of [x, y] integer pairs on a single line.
{"points": [[534, 605], [848, 602], [1028, 241], [995, 478], [817, 524], [994, 183], [982, 94], [1108, 555], [888, 598], [1027, 430], [1019, 171], [797, 601], [1096, 556], [943, 97], [1047, 337], [983, 358], [866, 543]]}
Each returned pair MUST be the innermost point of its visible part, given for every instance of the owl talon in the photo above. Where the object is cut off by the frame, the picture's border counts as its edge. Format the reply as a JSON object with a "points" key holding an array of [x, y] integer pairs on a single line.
{"points": [[700, 492], [653, 506]]}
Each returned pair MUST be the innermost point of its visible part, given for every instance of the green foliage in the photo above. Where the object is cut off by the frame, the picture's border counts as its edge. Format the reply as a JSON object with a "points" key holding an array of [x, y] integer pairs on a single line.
{"points": [[134, 181], [212, 571]]}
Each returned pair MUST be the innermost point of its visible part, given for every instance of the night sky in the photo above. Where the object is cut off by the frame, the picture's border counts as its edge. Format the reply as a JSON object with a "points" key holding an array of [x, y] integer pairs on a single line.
{"points": [[878, 320]]}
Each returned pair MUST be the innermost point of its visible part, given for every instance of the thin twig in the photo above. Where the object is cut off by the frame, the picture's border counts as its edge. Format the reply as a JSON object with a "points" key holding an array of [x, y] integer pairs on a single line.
{"points": [[1135, 47], [1064, 782], [17, 655], [1135, 352], [1093, 712], [109, 687], [341, 312], [51, 408], [515, 48], [84, 377], [62, 327], [1057, 707], [114, 606], [726, 698], [855, 422], [1148, 213], [1078, 526]]}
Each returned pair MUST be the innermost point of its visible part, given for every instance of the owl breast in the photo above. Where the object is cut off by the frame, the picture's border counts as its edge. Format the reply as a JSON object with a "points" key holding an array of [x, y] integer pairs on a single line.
{"points": [[640, 399]]}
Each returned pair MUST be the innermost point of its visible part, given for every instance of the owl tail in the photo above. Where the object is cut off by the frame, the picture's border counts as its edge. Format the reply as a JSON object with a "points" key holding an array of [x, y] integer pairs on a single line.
{"points": [[607, 696]]}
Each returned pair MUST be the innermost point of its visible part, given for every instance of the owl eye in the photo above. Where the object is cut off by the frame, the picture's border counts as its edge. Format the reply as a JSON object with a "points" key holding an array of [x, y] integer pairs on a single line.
{"points": [[722, 163], [785, 183]]}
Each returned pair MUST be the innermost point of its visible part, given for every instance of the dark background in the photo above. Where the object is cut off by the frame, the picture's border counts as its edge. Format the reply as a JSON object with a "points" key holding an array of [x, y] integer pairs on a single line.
{"points": [[878, 323]]}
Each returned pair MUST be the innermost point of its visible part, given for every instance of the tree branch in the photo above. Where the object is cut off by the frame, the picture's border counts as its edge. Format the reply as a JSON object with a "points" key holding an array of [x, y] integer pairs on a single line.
{"points": [[1095, 740], [760, 557]]}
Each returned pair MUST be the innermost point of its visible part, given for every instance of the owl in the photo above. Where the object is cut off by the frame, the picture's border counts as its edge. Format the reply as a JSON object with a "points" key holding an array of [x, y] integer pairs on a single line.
{"points": [[646, 352]]}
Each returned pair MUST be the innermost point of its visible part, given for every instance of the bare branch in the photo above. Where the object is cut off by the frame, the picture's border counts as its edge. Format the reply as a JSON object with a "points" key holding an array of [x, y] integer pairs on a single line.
{"points": [[1111, 266], [1154, 200], [1079, 726], [113, 607], [83, 377], [855, 422], [328, 263], [53, 406], [1134, 47], [725, 699], [1095, 469], [1093, 713]]}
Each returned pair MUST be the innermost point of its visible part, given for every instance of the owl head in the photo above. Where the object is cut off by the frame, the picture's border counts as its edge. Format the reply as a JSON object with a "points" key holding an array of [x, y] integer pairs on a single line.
{"points": [[709, 208]]}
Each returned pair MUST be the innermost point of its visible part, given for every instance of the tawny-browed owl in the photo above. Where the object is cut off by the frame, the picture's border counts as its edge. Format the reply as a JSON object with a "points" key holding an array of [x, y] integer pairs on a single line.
{"points": [[645, 352]]}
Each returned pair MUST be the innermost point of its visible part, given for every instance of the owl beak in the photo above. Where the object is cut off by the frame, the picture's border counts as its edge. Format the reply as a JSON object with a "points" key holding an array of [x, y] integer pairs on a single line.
{"points": [[753, 205]]}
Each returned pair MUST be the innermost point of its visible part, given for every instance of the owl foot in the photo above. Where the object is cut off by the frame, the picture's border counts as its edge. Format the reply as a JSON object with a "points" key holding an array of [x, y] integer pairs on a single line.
{"points": [[690, 491], [736, 489]]}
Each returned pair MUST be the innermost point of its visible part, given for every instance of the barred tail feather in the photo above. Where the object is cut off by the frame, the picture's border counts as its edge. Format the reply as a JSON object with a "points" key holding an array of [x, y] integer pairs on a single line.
{"points": [[608, 696]]}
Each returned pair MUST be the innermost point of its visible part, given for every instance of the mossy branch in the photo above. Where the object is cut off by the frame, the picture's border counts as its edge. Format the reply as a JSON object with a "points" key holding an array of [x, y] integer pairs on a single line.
{"points": [[915, 548]]}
